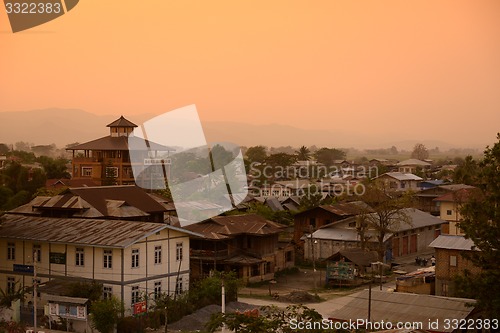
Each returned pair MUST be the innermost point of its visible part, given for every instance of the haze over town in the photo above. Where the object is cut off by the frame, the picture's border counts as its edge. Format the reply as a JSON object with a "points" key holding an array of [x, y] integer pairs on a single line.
{"points": [[359, 74]]}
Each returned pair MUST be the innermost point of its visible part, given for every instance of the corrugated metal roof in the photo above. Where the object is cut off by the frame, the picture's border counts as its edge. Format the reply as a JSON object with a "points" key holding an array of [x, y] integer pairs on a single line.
{"points": [[452, 242], [416, 219], [118, 143], [401, 176], [243, 260], [27, 209], [222, 227], [133, 195], [461, 195], [413, 161], [65, 299], [122, 122], [358, 256], [348, 208], [404, 307], [274, 204], [105, 233], [343, 208], [419, 219], [344, 234], [455, 187]]}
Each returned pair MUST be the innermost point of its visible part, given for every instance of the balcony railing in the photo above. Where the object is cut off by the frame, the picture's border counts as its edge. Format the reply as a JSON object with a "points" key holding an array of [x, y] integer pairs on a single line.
{"points": [[100, 160], [209, 254]]}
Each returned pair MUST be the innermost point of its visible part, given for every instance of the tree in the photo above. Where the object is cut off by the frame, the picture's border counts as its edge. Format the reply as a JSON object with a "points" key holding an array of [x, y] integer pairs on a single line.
{"points": [[311, 198], [23, 146], [71, 145], [4, 149], [481, 224], [221, 156], [20, 198], [385, 213], [269, 319], [54, 168], [281, 159], [303, 154], [5, 194], [420, 152], [327, 156], [467, 172], [91, 290], [256, 154], [105, 314], [8, 296]]}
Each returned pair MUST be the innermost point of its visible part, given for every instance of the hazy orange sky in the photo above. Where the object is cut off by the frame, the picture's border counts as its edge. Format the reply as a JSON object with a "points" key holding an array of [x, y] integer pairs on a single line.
{"points": [[410, 69]]}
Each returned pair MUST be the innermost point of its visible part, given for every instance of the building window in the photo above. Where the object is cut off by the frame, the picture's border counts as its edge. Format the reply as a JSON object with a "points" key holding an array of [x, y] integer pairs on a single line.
{"points": [[107, 292], [288, 256], [178, 252], [267, 268], [255, 270], [158, 254], [135, 258], [157, 289], [11, 285], [37, 253], [11, 251], [178, 286], [86, 172], [135, 294], [453, 261], [312, 222], [108, 259], [112, 172], [448, 212], [79, 256]]}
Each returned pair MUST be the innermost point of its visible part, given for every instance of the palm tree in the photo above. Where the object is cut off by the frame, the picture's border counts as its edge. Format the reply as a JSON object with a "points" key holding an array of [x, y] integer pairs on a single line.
{"points": [[303, 154]]}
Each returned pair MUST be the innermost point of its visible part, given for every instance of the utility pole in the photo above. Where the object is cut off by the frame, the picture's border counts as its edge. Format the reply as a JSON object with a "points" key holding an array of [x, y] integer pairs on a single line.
{"points": [[314, 261], [369, 300], [166, 325], [35, 283], [223, 302]]}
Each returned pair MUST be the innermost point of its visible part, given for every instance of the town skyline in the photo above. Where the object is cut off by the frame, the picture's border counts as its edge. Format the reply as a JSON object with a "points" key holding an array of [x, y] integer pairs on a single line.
{"points": [[73, 125]]}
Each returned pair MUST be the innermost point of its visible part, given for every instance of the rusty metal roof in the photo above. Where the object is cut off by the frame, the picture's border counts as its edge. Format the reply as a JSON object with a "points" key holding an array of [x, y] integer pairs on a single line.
{"points": [[348, 208], [118, 143], [127, 201], [343, 208], [131, 194], [223, 227], [90, 232]]}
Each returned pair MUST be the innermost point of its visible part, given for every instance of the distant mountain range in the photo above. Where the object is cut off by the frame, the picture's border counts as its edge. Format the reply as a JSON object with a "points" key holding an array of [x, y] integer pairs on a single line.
{"points": [[65, 126]]}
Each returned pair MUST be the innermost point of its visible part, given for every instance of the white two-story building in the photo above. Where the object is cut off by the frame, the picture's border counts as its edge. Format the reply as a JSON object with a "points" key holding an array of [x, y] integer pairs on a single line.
{"points": [[129, 258]]}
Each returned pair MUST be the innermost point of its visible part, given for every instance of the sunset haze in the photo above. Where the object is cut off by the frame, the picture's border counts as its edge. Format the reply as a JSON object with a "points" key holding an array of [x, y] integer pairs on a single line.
{"points": [[387, 70]]}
